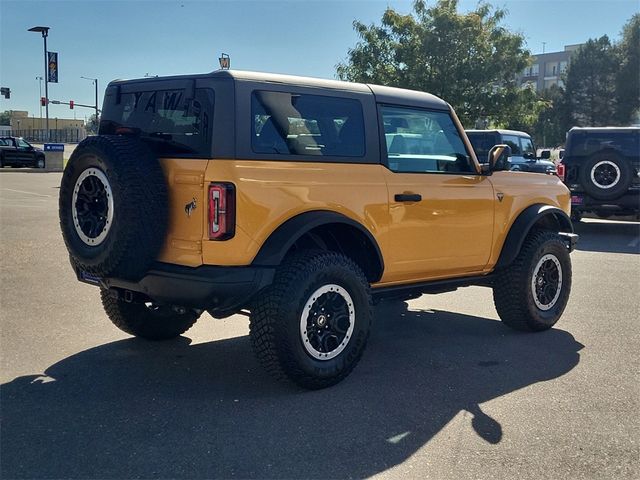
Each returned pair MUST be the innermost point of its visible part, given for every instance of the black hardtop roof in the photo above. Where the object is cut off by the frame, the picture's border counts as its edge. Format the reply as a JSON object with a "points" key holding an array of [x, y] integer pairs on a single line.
{"points": [[501, 131], [604, 129], [383, 94]]}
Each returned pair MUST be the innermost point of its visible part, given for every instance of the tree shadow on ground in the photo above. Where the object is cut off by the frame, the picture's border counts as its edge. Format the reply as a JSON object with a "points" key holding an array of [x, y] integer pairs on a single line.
{"points": [[133, 409], [608, 237]]}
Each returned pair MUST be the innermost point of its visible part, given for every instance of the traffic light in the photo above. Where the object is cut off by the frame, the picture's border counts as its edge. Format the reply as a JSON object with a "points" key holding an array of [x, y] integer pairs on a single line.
{"points": [[43, 101], [71, 104], [6, 91]]}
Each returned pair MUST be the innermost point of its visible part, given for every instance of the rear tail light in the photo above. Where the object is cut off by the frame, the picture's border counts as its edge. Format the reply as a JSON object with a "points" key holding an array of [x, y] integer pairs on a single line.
{"points": [[222, 211], [560, 171]]}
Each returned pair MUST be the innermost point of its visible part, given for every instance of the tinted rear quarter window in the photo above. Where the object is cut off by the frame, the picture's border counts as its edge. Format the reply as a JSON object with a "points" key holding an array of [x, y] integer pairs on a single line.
{"points": [[173, 122], [302, 124]]}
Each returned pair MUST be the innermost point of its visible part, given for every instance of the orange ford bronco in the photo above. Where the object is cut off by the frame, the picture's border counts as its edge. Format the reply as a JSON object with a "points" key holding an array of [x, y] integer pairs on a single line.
{"points": [[300, 202]]}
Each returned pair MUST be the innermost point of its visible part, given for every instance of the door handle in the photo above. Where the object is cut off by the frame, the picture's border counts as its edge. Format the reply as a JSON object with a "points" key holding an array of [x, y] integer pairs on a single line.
{"points": [[407, 197]]}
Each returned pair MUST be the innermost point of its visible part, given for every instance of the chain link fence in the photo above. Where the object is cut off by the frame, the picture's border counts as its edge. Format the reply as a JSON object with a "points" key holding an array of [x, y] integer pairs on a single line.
{"points": [[67, 135]]}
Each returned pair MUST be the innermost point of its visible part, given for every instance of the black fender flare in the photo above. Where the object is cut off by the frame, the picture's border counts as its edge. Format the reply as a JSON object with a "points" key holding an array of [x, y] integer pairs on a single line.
{"points": [[522, 226], [275, 248]]}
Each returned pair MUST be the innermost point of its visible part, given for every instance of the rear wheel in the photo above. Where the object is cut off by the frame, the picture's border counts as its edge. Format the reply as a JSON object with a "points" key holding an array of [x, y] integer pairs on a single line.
{"points": [[533, 291], [312, 324], [148, 320]]}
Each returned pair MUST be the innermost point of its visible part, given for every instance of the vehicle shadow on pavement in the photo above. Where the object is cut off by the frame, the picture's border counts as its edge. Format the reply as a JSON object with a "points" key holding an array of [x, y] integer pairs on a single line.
{"points": [[133, 409], [608, 237]]}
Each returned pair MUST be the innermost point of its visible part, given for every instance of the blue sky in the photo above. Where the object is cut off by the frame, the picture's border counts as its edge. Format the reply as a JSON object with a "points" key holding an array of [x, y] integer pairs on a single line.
{"points": [[128, 39]]}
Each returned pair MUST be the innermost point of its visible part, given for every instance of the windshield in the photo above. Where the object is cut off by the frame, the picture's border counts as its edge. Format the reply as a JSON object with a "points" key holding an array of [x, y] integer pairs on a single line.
{"points": [[23, 144]]}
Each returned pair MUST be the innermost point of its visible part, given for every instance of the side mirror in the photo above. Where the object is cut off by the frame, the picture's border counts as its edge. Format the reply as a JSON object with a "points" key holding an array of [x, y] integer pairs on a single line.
{"points": [[499, 157], [545, 154]]}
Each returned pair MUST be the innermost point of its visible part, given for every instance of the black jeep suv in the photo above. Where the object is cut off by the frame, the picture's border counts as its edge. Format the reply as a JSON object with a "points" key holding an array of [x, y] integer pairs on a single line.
{"points": [[602, 170]]}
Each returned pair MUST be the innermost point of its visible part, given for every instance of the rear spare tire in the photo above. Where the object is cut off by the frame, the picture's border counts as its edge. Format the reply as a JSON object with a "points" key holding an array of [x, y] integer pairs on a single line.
{"points": [[606, 175], [113, 207]]}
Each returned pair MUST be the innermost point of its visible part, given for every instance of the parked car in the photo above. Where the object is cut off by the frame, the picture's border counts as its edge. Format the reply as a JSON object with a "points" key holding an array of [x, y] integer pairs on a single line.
{"points": [[17, 152], [523, 152], [602, 170], [281, 198]]}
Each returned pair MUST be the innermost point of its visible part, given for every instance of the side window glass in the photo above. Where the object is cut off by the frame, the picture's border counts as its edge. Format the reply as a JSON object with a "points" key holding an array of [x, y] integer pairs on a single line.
{"points": [[292, 124], [527, 145], [514, 143], [421, 141]]}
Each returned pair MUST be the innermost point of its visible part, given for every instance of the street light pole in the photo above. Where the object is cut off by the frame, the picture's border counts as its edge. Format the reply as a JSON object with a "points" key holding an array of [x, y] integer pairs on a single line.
{"points": [[39, 102], [45, 32], [95, 82]]}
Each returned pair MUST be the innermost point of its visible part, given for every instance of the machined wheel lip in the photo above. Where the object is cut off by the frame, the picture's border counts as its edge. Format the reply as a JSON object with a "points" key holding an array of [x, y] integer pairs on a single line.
{"points": [[108, 193], [304, 322], [538, 281], [600, 165]]}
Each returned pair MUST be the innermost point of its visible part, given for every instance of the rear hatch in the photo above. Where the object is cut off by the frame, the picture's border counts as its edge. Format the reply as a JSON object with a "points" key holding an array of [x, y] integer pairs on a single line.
{"points": [[174, 118]]}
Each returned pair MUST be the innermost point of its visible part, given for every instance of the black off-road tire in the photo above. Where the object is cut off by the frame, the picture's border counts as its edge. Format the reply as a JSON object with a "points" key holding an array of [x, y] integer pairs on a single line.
{"points": [[513, 293], [277, 315], [152, 322], [140, 207], [611, 160]]}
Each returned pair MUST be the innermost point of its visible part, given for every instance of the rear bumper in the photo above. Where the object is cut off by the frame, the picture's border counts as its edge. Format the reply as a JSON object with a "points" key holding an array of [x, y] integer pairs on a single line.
{"points": [[629, 202], [221, 290]]}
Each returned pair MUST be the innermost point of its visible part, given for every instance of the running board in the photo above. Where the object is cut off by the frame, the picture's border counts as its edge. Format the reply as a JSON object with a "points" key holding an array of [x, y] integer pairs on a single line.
{"points": [[433, 286]]}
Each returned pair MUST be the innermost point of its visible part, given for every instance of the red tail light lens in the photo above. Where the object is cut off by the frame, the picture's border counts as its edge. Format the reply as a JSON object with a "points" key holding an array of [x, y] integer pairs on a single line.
{"points": [[222, 211], [560, 171]]}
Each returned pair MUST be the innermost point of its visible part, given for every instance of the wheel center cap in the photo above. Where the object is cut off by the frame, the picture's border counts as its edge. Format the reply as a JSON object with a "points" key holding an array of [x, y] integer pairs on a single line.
{"points": [[321, 321]]}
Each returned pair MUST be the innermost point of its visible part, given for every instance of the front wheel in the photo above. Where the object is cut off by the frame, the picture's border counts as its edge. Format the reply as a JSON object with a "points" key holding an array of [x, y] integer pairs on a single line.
{"points": [[312, 324], [533, 291], [148, 320], [40, 162]]}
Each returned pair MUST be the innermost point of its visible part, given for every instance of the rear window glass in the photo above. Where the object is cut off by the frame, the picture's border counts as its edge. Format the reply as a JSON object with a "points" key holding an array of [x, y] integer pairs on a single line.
{"points": [[586, 143], [171, 122], [299, 124]]}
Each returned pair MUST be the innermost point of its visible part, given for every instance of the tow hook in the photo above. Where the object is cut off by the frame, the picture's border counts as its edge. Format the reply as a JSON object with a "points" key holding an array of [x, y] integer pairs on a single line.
{"points": [[128, 296]]}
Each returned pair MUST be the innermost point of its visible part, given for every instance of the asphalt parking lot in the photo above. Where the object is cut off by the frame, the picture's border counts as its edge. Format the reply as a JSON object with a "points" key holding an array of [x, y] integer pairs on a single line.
{"points": [[443, 391]]}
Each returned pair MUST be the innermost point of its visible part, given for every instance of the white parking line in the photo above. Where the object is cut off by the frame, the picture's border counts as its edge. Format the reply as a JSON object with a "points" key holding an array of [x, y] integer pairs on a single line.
{"points": [[28, 193]]}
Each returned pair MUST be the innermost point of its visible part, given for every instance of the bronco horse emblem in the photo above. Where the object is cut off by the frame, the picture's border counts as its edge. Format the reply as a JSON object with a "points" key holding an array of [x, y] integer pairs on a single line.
{"points": [[190, 207]]}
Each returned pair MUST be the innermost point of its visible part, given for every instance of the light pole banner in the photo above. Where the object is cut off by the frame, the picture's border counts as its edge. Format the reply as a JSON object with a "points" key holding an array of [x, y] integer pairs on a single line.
{"points": [[52, 62]]}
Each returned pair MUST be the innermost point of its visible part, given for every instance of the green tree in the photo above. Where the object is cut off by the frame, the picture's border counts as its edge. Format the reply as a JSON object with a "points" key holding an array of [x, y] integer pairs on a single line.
{"points": [[628, 76], [5, 117], [470, 60], [554, 119], [591, 84], [92, 124]]}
